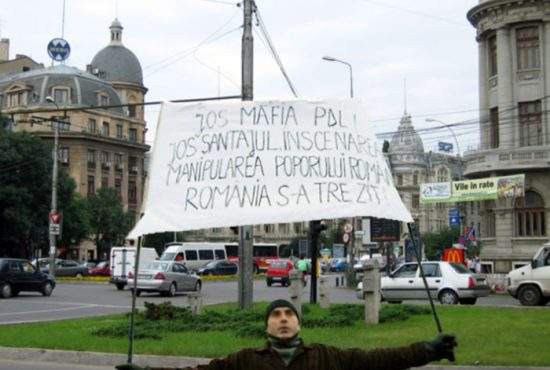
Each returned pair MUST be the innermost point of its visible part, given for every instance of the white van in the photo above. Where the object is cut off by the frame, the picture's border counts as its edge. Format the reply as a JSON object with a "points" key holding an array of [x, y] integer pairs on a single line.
{"points": [[122, 262], [531, 283], [194, 254]]}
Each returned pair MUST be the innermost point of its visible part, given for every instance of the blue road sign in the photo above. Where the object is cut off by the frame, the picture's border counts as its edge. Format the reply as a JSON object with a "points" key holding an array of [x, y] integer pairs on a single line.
{"points": [[59, 49], [445, 147], [454, 221]]}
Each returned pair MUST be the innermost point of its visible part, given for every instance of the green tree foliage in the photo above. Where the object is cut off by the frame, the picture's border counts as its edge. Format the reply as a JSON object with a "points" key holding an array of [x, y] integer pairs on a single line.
{"points": [[159, 240], [108, 222], [25, 196], [435, 242]]}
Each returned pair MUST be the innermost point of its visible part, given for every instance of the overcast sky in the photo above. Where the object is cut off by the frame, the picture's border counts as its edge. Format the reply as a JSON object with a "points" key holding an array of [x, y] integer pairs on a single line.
{"points": [[428, 42]]}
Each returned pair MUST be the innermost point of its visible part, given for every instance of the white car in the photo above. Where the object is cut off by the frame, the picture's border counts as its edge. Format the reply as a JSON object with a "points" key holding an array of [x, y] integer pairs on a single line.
{"points": [[450, 283]]}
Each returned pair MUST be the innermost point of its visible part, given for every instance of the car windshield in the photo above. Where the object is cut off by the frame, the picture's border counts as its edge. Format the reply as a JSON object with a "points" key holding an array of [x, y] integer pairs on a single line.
{"points": [[101, 265], [167, 256], [211, 264], [461, 269], [278, 264], [157, 266]]}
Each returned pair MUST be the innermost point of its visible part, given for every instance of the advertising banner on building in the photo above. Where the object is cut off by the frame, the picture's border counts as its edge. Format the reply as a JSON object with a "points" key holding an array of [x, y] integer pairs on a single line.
{"points": [[503, 187], [245, 163]]}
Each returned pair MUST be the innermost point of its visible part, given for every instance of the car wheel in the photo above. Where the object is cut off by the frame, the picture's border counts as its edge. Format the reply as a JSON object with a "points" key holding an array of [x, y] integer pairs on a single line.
{"points": [[120, 286], [395, 302], [5, 290], [172, 290], [47, 289], [268, 282], [448, 297], [198, 286], [138, 292], [78, 276], [529, 295], [468, 301]]}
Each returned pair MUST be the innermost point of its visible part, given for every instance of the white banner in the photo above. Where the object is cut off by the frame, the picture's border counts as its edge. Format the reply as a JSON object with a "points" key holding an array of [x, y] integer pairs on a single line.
{"points": [[246, 163]]}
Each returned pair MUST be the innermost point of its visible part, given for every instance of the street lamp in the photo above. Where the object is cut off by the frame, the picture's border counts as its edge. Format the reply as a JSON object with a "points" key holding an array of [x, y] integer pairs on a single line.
{"points": [[53, 243], [450, 129], [332, 59]]}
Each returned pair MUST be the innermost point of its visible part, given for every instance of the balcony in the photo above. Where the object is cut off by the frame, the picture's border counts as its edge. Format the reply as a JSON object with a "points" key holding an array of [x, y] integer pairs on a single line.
{"points": [[105, 166], [508, 160], [91, 165]]}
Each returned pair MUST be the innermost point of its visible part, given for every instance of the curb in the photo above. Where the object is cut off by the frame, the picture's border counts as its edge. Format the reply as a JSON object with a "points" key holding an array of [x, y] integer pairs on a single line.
{"points": [[161, 362]]}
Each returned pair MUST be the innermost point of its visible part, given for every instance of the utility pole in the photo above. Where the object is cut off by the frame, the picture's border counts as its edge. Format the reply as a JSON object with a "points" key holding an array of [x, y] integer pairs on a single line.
{"points": [[315, 228], [246, 239], [53, 213]]}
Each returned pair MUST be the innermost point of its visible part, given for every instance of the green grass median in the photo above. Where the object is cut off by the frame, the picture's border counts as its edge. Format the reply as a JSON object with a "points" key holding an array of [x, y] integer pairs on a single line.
{"points": [[486, 335]]}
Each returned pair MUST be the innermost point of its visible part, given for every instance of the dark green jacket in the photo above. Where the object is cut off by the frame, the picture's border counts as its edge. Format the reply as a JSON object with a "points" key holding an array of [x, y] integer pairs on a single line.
{"points": [[321, 357]]}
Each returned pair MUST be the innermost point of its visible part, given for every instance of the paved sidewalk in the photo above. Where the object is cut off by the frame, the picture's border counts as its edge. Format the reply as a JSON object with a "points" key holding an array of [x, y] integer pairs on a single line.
{"points": [[112, 359]]}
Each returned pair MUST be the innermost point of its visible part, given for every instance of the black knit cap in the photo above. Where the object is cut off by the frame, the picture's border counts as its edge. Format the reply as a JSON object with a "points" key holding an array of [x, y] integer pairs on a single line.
{"points": [[280, 303]]}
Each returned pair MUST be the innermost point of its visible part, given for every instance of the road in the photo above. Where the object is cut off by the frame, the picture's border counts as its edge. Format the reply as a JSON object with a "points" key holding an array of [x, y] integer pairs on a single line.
{"points": [[29, 365], [70, 300]]}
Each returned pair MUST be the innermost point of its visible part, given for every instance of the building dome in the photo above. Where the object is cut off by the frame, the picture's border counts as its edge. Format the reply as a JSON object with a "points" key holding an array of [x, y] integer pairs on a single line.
{"points": [[115, 62], [406, 145]]}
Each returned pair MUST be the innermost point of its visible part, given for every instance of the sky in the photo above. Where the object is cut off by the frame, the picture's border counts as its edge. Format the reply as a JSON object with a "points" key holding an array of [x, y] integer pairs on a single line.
{"points": [[191, 48]]}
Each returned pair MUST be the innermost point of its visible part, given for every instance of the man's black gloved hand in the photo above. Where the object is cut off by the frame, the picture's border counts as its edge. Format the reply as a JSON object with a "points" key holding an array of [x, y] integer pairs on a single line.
{"points": [[442, 347], [131, 367]]}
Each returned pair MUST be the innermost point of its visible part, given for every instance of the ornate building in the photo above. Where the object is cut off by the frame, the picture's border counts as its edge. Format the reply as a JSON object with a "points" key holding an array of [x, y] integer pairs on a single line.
{"points": [[412, 166], [514, 85], [98, 147]]}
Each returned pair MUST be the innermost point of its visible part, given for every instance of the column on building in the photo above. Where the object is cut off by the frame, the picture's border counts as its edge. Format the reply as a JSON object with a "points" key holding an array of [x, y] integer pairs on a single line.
{"points": [[483, 94], [507, 113], [545, 45]]}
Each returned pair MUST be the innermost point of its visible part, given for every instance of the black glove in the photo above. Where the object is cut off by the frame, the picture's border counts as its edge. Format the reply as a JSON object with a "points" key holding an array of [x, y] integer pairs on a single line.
{"points": [[442, 347], [131, 367]]}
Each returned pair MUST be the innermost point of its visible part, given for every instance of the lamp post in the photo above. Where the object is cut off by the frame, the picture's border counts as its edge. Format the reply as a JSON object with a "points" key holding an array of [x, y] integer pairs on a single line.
{"points": [[332, 59], [355, 221], [450, 129], [53, 242]]}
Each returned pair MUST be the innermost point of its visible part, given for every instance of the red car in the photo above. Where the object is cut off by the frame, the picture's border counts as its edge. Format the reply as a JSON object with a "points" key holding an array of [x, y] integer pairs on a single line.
{"points": [[277, 272], [102, 269]]}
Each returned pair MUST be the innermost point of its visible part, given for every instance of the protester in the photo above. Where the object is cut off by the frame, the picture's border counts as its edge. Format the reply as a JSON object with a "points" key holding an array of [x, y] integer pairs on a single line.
{"points": [[285, 349], [302, 266]]}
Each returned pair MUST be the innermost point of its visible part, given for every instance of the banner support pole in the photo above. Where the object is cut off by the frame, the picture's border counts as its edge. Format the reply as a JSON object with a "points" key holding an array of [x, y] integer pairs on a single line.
{"points": [[419, 259]]}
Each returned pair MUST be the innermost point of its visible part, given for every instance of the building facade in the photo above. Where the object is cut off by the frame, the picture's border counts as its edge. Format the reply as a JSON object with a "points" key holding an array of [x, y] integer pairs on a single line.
{"points": [[514, 86], [98, 147]]}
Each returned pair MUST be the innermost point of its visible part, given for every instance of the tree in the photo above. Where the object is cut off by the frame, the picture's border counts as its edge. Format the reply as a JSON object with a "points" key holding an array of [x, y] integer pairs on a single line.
{"points": [[108, 222], [159, 240], [435, 242], [25, 195]]}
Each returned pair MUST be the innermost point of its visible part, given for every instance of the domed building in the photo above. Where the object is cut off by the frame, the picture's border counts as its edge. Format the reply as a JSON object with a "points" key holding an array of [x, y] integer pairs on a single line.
{"points": [[412, 166], [101, 146]]}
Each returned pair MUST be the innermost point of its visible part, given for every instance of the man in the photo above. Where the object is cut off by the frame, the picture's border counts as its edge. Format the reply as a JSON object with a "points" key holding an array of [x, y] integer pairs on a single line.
{"points": [[301, 265], [285, 350]]}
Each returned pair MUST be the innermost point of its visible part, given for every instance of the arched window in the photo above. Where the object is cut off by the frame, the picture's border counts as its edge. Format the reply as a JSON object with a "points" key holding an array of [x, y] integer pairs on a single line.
{"points": [[529, 215], [442, 175], [488, 217], [415, 178]]}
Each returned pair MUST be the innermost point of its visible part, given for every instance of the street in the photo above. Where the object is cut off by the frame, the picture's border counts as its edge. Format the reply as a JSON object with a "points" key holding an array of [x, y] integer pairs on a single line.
{"points": [[70, 300]]}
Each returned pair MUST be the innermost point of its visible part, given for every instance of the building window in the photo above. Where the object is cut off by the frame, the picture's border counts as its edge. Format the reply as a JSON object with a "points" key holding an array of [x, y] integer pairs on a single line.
{"points": [[91, 185], [415, 178], [91, 158], [269, 228], [529, 215], [132, 192], [527, 41], [63, 155], [284, 229], [131, 110], [118, 187], [104, 182], [105, 157], [132, 135], [492, 47], [105, 129], [118, 158], [61, 96], [132, 163], [489, 220], [493, 128], [442, 175], [399, 179], [16, 99], [91, 125], [298, 228], [119, 130], [530, 122], [103, 99], [415, 203]]}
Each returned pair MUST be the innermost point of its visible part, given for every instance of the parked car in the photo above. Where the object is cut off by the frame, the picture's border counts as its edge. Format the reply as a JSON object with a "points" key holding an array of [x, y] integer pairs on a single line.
{"points": [[451, 283], [338, 265], [101, 269], [531, 283], [122, 262], [166, 278], [17, 275], [67, 268], [218, 268], [278, 272]]}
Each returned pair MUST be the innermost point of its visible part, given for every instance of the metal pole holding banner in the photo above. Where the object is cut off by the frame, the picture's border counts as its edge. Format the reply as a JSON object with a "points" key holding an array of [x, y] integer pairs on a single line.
{"points": [[419, 259], [133, 312]]}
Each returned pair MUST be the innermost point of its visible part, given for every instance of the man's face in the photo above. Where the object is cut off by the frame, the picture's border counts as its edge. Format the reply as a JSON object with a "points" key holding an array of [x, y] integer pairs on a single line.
{"points": [[282, 323]]}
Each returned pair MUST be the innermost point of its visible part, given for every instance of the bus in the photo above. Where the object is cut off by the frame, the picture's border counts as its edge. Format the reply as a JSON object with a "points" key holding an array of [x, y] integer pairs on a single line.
{"points": [[262, 254]]}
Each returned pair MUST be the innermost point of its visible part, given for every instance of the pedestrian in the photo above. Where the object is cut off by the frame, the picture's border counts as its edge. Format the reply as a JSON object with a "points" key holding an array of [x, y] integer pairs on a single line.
{"points": [[286, 350], [302, 266]]}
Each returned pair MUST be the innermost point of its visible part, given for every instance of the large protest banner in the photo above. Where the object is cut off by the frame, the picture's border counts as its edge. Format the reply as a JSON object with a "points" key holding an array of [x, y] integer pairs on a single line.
{"points": [[244, 163], [502, 187]]}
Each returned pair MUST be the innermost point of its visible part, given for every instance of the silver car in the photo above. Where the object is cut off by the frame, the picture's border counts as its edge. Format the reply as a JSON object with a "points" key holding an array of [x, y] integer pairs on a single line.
{"points": [[166, 278]]}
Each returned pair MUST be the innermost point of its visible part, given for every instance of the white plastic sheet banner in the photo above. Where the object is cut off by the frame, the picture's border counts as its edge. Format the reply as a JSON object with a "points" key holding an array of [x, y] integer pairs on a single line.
{"points": [[246, 163]]}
